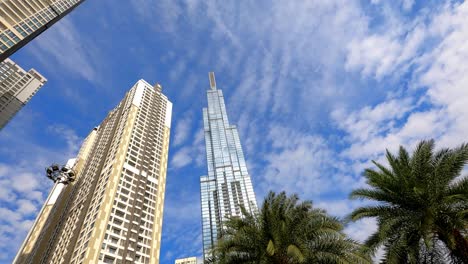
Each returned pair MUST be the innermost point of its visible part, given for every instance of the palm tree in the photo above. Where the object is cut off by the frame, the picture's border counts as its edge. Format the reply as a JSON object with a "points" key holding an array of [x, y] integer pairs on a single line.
{"points": [[422, 205], [286, 231]]}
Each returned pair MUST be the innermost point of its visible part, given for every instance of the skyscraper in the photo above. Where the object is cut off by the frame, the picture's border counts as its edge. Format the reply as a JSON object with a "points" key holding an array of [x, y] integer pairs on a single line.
{"points": [[228, 184], [191, 260], [23, 20], [112, 212], [16, 88]]}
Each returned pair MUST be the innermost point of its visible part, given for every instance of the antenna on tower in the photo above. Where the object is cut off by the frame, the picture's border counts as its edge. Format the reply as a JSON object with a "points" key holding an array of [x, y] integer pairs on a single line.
{"points": [[212, 81]]}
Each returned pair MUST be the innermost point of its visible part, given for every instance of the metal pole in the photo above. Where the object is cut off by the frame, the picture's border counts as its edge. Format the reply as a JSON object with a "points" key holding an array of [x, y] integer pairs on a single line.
{"points": [[61, 176]]}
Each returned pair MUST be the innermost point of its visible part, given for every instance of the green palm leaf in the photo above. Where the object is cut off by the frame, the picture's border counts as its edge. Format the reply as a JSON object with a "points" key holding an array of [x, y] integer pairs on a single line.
{"points": [[422, 210], [286, 230]]}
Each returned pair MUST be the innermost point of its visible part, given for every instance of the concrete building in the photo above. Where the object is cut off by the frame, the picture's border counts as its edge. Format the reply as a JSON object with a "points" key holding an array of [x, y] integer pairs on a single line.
{"points": [[23, 20], [112, 212], [17, 86], [191, 260], [228, 184]]}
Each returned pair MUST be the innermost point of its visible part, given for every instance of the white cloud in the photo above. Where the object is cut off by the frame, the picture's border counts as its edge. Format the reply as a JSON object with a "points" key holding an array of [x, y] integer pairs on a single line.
{"points": [[339, 208], [436, 110], [408, 4], [182, 216], [26, 207], [178, 70], [289, 70], [291, 67], [417, 126], [296, 162], [304, 164], [361, 230], [192, 153], [182, 129], [25, 182], [442, 73], [379, 55], [445, 73], [181, 158], [23, 185], [62, 46], [372, 121], [72, 140], [168, 13]]}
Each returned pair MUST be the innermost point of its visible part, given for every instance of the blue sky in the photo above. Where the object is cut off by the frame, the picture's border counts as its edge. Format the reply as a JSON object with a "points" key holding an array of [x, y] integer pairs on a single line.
{"points": [[318, 89]]}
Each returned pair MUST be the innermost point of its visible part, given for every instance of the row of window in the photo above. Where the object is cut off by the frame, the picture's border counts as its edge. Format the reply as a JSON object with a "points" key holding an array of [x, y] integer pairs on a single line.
{"points": [[31, 22], [84, 191]]}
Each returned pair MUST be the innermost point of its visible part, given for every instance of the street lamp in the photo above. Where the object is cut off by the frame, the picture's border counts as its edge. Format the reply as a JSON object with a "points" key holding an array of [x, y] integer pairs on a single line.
{"points": [[60, 174]]}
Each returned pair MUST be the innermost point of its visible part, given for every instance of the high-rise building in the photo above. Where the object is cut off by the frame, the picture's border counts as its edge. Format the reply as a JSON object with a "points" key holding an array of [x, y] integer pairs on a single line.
{"points": [[16, 88], [191, 260], [23, 20], [112, 212], [228, 184]]}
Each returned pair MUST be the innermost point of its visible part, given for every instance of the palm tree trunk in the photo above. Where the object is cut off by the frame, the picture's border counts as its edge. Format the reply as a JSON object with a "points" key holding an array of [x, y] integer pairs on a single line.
{"points": [[461, 246]]}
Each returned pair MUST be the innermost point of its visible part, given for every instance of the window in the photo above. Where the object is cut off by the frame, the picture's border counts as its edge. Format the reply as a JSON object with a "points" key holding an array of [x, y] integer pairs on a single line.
{"points": [[117, 222], [119, 213], [116, 231], [112, 250], [108, 259]]}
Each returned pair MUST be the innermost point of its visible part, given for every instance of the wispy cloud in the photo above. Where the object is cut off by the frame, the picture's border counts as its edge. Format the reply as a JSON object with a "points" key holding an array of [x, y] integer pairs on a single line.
{"points": [[181, 216], [317, 89], [305, 164], [181, 158], [63, 47], [168, 12], [182, 129], [430, 107], [436, 113], [23, 185], [192, 153]]}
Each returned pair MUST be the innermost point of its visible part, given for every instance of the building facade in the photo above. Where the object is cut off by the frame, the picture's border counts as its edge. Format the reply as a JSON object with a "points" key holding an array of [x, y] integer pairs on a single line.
{"points": [[227, 185], [23, 20], [191, 260], [17, 87], [112, 212]]}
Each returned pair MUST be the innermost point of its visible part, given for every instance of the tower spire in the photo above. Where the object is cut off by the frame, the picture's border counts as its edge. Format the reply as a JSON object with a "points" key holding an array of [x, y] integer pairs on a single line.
{"points": [[228, 186], [212, 81]]}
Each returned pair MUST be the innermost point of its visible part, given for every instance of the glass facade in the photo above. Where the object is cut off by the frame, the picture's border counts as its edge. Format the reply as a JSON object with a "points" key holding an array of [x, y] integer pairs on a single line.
{"points": [[228, 184]]}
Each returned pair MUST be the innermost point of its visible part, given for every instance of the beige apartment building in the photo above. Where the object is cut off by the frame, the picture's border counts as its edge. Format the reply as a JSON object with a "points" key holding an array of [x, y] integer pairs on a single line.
{"points": [[191, 260], [23, 20], [17, 87], [112, 212]]}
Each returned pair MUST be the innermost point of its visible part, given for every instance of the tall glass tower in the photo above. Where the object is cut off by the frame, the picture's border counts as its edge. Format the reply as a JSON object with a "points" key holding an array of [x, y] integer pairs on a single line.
{"points": [[228, 183]]}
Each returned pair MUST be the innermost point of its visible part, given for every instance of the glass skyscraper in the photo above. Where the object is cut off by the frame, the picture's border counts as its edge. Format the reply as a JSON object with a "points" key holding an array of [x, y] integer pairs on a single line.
{"points": [[228, 184]]}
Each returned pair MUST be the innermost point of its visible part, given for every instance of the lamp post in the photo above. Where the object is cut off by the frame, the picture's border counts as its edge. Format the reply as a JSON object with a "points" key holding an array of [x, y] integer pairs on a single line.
{"points": [[61, 176]]}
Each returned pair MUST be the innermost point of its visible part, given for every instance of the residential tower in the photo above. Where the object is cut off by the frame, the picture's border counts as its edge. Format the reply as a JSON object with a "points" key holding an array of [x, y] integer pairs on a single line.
{"points": [[112, 212], [17, 87], [23, 20]]}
